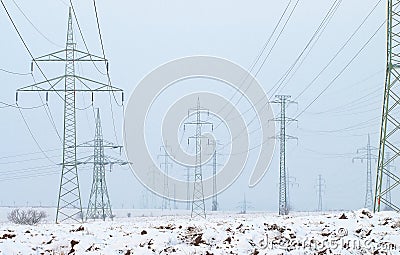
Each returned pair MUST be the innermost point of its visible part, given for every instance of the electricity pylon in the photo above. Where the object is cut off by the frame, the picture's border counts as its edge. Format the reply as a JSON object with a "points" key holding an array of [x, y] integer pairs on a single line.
{"points": [[244, 205], [369, 157], [153, 198], [69, 205], [198, 206], [283, 100], [188, 175], [214, 205], [390, 131], [99, 202], [320, 190], [214, 201], [166, 200]]}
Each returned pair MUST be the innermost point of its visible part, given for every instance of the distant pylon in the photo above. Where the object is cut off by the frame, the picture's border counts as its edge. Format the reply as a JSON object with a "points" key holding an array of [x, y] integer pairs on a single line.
{"points": [[198, 205], [99, 201], [244, 205], [369, 157], [389, 130], [283, 100], [99, 206], [320, 190], [214, 155], [166, 200], [69, 205], [214, 206], [188, 175]]}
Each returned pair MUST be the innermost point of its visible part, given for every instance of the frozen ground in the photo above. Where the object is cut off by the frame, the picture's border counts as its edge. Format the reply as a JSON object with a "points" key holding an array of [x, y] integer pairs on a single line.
{"points": [[357, 232]]}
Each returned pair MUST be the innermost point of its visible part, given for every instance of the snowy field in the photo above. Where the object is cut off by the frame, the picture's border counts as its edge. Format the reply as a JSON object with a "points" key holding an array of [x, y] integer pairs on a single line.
{"points": [[149, 232]]}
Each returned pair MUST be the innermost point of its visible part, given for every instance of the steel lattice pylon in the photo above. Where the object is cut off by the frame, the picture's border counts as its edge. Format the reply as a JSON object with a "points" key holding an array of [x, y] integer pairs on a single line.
{"points": [[198, 205], [99, 201], [69, 205], [320, 190], [166, 203], [214, 205], [283, 100], [369, 157], [390, 123]]}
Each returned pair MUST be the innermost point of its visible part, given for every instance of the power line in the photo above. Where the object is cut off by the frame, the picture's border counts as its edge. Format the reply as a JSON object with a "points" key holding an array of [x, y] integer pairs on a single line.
{"points": [[257, 146], [259, 57], [341, 49], [341, 71], [26, 46], [6, 105], [26, 154], [107, 71], [37, 30], [33, 137], [48, 112], [83, 38], [309, 46], [12, 72]]}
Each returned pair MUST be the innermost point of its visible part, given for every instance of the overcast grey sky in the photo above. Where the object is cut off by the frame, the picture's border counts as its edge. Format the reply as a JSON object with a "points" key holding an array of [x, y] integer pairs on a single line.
{"points": [[141, 35]]}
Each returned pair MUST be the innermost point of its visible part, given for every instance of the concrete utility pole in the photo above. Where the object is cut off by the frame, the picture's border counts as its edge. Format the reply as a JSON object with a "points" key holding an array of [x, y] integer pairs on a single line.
{"points": [[198, 205], [369, 157], [283, 100], [69, 205]]}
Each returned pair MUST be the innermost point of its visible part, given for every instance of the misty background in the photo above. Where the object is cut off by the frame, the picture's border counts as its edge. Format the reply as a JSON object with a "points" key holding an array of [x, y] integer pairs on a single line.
{"points": [[139, 36]]}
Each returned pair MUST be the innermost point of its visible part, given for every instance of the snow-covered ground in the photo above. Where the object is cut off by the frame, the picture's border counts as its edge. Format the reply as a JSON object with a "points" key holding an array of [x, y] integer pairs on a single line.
{"points": [[358, 232]]}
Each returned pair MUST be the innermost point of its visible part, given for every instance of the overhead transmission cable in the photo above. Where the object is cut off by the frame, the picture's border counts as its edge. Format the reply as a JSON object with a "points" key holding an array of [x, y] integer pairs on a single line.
{"points": [[107, 70], [15, 73], [337, 76], [41, 71], [83, 38], [341, 71], [265, 58], [308, 48], [339, 51], [37, 30]]}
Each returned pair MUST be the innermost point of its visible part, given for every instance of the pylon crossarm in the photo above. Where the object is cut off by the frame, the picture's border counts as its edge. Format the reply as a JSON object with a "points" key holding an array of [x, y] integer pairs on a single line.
{"points": [[200, 122], [60, 56], [115, 161], [103, 87], [36, 87], [106, 144], [52, 56]]}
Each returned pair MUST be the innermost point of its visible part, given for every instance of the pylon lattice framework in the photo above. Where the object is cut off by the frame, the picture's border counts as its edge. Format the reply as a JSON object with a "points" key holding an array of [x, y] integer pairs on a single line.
{"points": [[166, 203], [320, 190], [283, 101], [214, 205], [198, 205], [99, 201], [368, 156], [390, 125], [69, 205]]}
